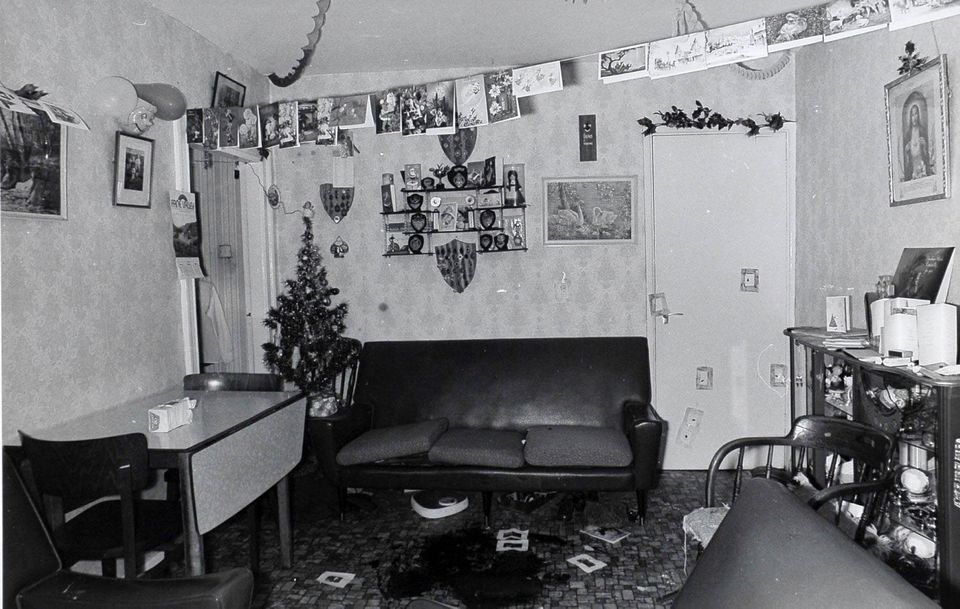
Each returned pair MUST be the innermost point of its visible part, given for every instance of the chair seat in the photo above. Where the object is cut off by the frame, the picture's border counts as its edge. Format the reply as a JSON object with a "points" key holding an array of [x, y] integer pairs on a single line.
{"points": [[97, 532]]}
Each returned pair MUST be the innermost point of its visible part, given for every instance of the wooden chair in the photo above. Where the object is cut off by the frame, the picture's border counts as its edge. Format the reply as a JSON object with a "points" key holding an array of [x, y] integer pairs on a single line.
{"points": [[33, 574], [71, 474], [816, 447]]}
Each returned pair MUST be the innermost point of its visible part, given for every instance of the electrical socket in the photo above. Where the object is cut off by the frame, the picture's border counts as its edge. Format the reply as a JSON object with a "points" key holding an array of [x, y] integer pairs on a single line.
{"points": [[778, 375], [690, 426]]}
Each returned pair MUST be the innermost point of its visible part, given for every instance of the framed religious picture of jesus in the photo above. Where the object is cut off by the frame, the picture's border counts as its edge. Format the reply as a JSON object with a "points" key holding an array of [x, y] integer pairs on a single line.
{"points": [[918, 142]]}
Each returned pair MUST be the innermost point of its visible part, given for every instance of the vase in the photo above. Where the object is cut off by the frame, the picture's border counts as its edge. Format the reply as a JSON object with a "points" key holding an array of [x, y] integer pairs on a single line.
{"points": [[322, 404]]}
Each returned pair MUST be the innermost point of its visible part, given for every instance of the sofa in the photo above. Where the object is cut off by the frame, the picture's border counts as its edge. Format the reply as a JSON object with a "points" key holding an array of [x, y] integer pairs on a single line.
{"points": [[33, 576], [773, 550], [496, 415]]}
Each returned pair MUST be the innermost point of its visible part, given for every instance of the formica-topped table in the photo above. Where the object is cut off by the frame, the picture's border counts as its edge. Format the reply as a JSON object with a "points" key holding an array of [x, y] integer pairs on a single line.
{"points": [[239, 445]]}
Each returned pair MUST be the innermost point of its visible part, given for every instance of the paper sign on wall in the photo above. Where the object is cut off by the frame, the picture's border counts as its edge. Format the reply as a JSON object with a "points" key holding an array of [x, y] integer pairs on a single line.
{"points": [[186, 234]]}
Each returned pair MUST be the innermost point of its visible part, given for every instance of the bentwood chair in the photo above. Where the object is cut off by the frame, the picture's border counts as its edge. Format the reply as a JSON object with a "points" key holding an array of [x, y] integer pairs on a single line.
{"points": [[69, 475], [819, 448], [34, 577]]}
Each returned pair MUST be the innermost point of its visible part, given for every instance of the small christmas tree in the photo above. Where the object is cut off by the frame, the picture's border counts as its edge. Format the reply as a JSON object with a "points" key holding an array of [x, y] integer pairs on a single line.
{"points": [[309, 348]]}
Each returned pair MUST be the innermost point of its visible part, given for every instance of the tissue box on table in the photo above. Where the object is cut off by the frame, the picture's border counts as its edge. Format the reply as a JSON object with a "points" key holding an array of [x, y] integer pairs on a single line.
{"points": [[171, 415]]}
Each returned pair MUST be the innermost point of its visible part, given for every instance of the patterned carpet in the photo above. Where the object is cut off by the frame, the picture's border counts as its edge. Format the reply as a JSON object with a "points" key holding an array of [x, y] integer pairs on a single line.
{"points": [[382, 542]]}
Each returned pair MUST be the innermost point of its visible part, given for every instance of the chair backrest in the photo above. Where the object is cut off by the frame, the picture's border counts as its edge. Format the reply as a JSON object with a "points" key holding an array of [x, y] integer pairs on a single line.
{"points": [[818, 446], [81, 471], [233, 381], [28, 553]]}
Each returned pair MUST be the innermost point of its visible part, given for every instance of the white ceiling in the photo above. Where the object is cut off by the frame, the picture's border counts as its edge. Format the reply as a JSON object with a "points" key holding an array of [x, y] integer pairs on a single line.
{"points": [[392, 35]]}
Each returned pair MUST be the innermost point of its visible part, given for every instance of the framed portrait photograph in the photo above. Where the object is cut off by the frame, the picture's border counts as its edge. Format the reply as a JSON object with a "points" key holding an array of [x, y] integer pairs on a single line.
{"points": [[227, 92], [918, 146], [585, 211], [33, 155], [134, 171]]}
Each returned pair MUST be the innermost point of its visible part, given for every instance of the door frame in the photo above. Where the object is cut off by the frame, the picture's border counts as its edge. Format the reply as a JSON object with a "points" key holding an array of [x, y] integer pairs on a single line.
{"points": [[789, 133], [258, 227]]}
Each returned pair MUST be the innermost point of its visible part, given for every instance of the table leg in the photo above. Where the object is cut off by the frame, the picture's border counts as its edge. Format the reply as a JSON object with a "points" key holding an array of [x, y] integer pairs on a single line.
{"points": [[192, 539], [283, 523]]}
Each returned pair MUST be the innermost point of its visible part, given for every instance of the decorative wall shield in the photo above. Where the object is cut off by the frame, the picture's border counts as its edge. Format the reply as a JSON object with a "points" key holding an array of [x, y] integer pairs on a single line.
{"points": [[457, 262], [459, 146], [336, 201]]}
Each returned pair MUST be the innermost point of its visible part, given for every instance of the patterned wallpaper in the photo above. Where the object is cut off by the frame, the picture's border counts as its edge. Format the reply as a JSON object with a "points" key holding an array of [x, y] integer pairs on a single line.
{"points": [[513, 294], [91, 305], [847, 234]]}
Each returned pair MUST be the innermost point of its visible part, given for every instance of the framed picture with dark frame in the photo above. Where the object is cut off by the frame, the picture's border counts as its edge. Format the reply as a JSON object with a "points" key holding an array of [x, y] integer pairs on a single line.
{"points": [[918, 144], [227, 92], [134, 171], [589, 211], [33, 150]]}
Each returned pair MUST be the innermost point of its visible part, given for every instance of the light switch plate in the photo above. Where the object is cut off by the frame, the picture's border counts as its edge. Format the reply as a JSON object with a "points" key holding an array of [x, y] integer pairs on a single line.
{"points": [[749, 280], [704, 377]]}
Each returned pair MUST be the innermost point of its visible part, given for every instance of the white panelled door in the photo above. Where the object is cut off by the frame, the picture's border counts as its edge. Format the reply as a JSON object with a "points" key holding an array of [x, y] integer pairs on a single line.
{"points": [[720, 234]]}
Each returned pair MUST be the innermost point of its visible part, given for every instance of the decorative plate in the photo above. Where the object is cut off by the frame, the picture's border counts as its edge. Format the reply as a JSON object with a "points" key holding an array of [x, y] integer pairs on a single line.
{"points": [[414, 201], [485, 242], [418, 221], [415, 243], [501, 240], [487, 218]]}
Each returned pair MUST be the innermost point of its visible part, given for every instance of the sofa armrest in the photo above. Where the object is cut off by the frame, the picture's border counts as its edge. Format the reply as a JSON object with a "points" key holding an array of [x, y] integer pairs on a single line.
{"points": [[329, 434], [645, 430]]}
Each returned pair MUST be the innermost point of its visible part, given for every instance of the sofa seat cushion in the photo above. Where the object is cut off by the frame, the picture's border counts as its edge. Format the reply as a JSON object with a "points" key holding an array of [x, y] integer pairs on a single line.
{"points": [[576, 446], [391, 442], [486, 447]]}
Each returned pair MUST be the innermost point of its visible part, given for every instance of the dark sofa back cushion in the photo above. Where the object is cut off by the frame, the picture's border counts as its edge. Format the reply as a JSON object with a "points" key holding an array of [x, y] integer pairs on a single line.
{"points": [[504, 383]]}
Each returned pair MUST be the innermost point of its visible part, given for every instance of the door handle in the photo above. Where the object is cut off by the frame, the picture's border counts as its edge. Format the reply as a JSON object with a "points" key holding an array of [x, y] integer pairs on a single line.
{"points": [[659, 308]]}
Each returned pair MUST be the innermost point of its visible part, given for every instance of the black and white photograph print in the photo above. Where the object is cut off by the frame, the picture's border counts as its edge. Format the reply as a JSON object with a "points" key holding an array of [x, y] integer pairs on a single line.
{"points": [[227, 92], [917, 135], [33, 166], [795, 28], [134, 170]]}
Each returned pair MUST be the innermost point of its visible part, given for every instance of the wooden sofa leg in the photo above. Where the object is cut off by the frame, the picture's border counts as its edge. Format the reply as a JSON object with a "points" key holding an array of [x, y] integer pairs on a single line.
{"points": [[641, 506], [341, 501], [487, 506]]}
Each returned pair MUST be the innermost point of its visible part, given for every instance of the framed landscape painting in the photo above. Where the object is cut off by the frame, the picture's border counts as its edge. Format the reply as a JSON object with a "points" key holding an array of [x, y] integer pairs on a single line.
{"points": [[33, 155], [918, 135], [584, 211]]}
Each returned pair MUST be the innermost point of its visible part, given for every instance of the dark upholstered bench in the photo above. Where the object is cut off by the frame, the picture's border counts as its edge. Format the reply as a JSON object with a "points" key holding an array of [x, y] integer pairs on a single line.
{"points": [[501, 415]]}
